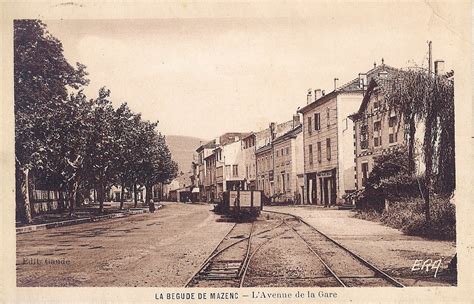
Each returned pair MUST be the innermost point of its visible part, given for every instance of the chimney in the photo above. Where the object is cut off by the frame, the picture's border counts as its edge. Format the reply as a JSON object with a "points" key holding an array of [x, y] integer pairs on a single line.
{"points": [[335, 83], [317, 94], [272, 131], [439, 67], [323, 92], [296, 120], [218, 140], [309, 96], [362, 80]]}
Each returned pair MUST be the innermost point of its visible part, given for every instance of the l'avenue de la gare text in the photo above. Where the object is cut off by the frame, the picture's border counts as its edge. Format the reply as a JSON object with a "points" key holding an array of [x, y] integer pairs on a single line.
{"points": [[307, 294]]}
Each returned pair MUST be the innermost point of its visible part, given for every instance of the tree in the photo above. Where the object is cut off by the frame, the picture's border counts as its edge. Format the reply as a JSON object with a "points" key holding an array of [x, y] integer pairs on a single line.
{"points": [[42, 77], [156, 164], [66, 148], [424, 97], [102, 149], [126, 124]]}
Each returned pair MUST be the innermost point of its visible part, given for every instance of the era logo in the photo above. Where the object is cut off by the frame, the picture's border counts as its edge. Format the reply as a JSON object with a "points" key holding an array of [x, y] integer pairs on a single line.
{"points": [[427, 265]]}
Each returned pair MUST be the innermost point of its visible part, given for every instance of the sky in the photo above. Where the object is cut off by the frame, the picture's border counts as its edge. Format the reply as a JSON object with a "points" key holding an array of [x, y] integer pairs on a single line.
{"points": [[203, 76]]}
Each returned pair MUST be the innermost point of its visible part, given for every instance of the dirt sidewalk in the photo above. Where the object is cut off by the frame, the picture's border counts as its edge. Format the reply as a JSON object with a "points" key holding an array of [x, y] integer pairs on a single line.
{"points": [[387, 248]]}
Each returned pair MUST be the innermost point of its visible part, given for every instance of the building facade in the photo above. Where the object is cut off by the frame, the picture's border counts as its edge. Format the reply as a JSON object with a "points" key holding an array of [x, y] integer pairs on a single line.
{"points": [[328, 136], [265, 173], [377, 129], [288, 166]]}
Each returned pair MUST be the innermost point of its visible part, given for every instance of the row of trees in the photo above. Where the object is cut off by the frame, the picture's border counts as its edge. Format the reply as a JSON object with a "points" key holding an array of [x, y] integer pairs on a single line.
{"points": [[71, 143]]}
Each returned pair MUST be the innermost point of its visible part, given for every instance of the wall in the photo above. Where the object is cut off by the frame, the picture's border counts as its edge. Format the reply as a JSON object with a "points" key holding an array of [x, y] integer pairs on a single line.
{"points": [[347, 104]]}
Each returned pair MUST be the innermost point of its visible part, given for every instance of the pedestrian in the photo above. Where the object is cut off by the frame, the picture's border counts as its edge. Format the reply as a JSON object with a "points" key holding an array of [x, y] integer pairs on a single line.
{"points": [[151, 206]]}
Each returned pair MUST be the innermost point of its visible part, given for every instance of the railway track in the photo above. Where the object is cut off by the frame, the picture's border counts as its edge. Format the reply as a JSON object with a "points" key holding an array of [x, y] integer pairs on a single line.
{"points": [[229, 260], [229, 263], [343, 265]]}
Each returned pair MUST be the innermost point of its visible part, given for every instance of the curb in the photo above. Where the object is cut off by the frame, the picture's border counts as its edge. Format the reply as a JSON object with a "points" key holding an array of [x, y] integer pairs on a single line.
{"points": [[40, 227]]}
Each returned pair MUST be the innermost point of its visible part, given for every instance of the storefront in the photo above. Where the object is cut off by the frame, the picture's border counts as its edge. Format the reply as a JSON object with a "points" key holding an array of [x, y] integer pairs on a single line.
{"points": [[327, 187]]}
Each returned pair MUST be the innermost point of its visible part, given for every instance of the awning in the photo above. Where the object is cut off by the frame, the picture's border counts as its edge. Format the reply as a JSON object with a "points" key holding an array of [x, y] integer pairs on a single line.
{"points": [[195, 190]]}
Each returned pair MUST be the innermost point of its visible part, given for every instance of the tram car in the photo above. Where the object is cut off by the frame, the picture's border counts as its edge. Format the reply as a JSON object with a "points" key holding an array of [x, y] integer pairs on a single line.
{"points": [[241, 203]]}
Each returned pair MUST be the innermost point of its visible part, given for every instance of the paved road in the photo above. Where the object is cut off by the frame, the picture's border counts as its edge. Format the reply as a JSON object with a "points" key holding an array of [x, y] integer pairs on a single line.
{"points": [[160, 249]]}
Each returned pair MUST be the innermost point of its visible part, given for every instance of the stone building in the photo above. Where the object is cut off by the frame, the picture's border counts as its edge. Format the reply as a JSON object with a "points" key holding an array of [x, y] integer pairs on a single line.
{"points": [[328, 136]]}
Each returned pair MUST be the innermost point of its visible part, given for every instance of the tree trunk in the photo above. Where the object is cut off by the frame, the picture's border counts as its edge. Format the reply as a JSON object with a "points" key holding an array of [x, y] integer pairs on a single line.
{"points": [[148, 195], [72, 197], [428, 151], [411, 145], [161, 192], [100, 196], [60, 200], [122, 194], [135, 195], [23, 196]]}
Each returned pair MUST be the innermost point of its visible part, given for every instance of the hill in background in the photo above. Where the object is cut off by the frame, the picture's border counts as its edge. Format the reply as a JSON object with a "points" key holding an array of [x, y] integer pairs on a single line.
{"points": [[182, 149]]}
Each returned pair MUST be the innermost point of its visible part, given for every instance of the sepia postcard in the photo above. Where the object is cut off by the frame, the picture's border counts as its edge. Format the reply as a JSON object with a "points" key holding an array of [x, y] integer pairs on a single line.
{"points": [[236, 152]]}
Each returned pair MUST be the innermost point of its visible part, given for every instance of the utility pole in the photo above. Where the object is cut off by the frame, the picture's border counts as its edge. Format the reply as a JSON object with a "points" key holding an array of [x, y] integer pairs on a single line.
{"points": [[429, 57]]}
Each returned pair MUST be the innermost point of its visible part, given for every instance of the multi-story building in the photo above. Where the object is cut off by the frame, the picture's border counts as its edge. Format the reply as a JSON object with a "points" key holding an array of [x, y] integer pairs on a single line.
{"points": [[222, 161], [288, 166], [378, 130], [277, 162], [203, 151], [255, 140], [328, 136], [265, 173], [210, 177]]}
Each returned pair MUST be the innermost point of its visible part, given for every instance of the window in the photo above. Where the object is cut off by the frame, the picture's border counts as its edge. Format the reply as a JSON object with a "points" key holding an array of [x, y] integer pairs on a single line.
{"points": [[278, 153], [364, 137], [392, 138], [327, 117], [309, 126], [310, 154], [288, 178], [235, 170], [287, 150], [365, 173], [377, 126], [328, 148], [392, 121], [317, 121], [319, 152], [377, 134], [376, 105], [283, 187]]}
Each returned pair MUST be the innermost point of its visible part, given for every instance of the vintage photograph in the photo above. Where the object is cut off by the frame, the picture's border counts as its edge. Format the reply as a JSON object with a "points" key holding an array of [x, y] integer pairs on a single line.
{"points": [[311, 151]]}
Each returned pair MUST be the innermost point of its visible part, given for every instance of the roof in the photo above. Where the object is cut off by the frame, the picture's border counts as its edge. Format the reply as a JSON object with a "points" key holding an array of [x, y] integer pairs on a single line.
{"points": [[349, 87], [248, 135], [209, 145], [290, 134], [265, 148], [374, 84]]}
